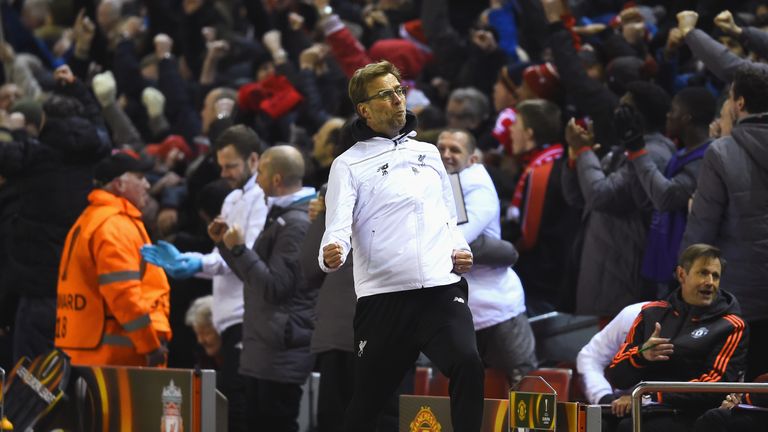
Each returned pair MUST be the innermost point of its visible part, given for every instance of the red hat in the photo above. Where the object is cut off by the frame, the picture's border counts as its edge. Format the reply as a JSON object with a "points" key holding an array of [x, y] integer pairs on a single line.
{"points": [[274, 96], [414, 32], [543, 80], [402, 53], [163, 149]]}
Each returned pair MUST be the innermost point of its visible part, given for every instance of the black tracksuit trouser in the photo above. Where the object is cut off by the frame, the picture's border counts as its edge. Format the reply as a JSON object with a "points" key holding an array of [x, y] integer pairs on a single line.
{"points": [[390, 331]]}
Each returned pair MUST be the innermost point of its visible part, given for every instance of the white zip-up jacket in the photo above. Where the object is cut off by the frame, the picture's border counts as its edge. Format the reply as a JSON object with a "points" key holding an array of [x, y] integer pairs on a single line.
{"points": [[391, 202], [595, 356], [245, 207], [495, 293]]}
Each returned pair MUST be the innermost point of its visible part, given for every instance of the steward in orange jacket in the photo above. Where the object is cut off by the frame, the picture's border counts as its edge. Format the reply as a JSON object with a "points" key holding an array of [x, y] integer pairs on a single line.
{"points": [[112, 307]]}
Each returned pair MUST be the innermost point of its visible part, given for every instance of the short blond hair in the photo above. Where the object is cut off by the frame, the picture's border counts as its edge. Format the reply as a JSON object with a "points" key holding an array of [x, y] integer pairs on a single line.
{"points": [[358, 84]]}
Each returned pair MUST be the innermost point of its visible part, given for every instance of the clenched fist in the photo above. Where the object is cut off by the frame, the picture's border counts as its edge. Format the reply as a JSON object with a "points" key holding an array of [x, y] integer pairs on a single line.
{"points": [[332, 255]]}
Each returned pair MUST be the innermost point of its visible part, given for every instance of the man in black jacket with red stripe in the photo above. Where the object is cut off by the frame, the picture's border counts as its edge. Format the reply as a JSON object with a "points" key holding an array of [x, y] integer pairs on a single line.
{"points": [[695, 335]]}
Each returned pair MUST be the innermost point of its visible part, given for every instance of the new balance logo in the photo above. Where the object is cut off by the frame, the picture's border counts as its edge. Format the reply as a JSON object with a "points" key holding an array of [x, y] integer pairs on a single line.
{"points": [[458, 299], [421, 159], [383, 169], [361, 347]]}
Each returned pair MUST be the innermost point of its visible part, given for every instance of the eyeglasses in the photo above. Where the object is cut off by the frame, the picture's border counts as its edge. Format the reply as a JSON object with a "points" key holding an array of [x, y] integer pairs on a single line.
{"points": [[400, 91]]}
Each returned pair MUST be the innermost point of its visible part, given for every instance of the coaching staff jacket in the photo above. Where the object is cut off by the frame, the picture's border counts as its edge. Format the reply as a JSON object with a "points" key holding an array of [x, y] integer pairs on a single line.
{"points": [[710, 345], [394, 198]]}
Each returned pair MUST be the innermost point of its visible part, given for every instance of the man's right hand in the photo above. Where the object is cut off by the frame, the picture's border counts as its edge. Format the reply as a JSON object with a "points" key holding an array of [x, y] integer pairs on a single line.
{"points": [[217, 228], [657, 348], [731, 401], [686, 21], [332, 255]]}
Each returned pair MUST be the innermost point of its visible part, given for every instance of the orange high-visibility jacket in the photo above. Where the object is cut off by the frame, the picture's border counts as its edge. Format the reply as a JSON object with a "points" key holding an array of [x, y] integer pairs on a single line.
{"points": [[112, 306]]}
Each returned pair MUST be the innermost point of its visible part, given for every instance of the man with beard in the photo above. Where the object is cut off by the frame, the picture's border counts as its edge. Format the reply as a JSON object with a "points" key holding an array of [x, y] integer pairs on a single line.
{"points": [[237, 152]]}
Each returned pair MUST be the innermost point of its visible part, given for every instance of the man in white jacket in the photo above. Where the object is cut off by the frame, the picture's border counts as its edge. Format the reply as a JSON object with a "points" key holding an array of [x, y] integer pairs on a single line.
{"points": [[390, 201], [497, 301], [598, 354], [237, 153]]}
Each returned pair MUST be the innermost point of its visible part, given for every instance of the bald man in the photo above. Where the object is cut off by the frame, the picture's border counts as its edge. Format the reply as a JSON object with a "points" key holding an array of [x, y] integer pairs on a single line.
{"points": [[277, 323]]}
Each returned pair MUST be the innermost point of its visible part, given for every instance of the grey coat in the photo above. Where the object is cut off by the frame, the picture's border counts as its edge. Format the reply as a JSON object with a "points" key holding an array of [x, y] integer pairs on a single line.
{"points": [[279, 304], [730, 211], [718, 58], [667, 194], [616, 211]]}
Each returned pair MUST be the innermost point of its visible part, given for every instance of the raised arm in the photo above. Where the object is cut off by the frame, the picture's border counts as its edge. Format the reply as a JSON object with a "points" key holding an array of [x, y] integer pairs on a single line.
{"points": [[340, 199]]}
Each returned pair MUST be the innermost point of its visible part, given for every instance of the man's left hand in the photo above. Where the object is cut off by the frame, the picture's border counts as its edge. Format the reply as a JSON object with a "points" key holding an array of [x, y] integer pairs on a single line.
{"points": [[234, 236], [462, 261]]}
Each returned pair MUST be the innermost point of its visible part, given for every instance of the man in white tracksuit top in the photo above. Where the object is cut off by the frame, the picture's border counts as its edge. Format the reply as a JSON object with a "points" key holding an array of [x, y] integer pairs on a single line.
{"points": [[390, 195], [237, 151], [496, 298]]}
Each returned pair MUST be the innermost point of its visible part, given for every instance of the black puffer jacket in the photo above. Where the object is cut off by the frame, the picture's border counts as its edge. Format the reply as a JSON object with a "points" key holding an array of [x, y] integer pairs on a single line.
{"points": [[710, 345]]}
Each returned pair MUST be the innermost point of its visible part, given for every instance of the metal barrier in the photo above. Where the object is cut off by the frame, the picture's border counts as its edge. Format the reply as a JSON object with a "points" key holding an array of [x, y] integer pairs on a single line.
{"points": [[687, 387]]}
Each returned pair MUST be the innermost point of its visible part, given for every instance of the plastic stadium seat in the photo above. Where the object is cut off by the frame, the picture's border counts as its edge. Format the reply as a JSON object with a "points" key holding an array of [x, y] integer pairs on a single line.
{"points": [[421, 381], [438, 385], [496, 384], [558, 378]]}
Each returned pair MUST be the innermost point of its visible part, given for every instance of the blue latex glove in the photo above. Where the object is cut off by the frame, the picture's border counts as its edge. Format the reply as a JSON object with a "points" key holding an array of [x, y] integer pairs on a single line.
{"points": [[176, 264], [163, 254], [184, 267]]}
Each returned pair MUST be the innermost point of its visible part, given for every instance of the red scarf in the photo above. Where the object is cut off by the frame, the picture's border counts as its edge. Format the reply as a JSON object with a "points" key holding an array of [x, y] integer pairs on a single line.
{"points": [[533, 159], [536, 181]]}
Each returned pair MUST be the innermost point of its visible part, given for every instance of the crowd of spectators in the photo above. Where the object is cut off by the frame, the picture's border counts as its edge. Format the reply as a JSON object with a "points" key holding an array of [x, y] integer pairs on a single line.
{"points": [[615, 133]]}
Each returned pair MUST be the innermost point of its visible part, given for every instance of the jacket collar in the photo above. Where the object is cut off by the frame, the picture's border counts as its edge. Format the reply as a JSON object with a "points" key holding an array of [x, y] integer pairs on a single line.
{"points": [[251, 183], [101, 197], [724, 303], [759, 118], [298, 197], [361, 132]]}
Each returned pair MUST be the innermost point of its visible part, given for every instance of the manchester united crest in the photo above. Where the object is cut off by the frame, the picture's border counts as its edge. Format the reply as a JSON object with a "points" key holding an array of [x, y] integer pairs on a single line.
{"points": [[425, 421]]}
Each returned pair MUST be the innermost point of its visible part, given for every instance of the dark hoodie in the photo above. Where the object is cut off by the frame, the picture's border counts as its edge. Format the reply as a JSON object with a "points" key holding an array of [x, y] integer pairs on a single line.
{"points": [[357, 130], [710, 344], [730, 211]]}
